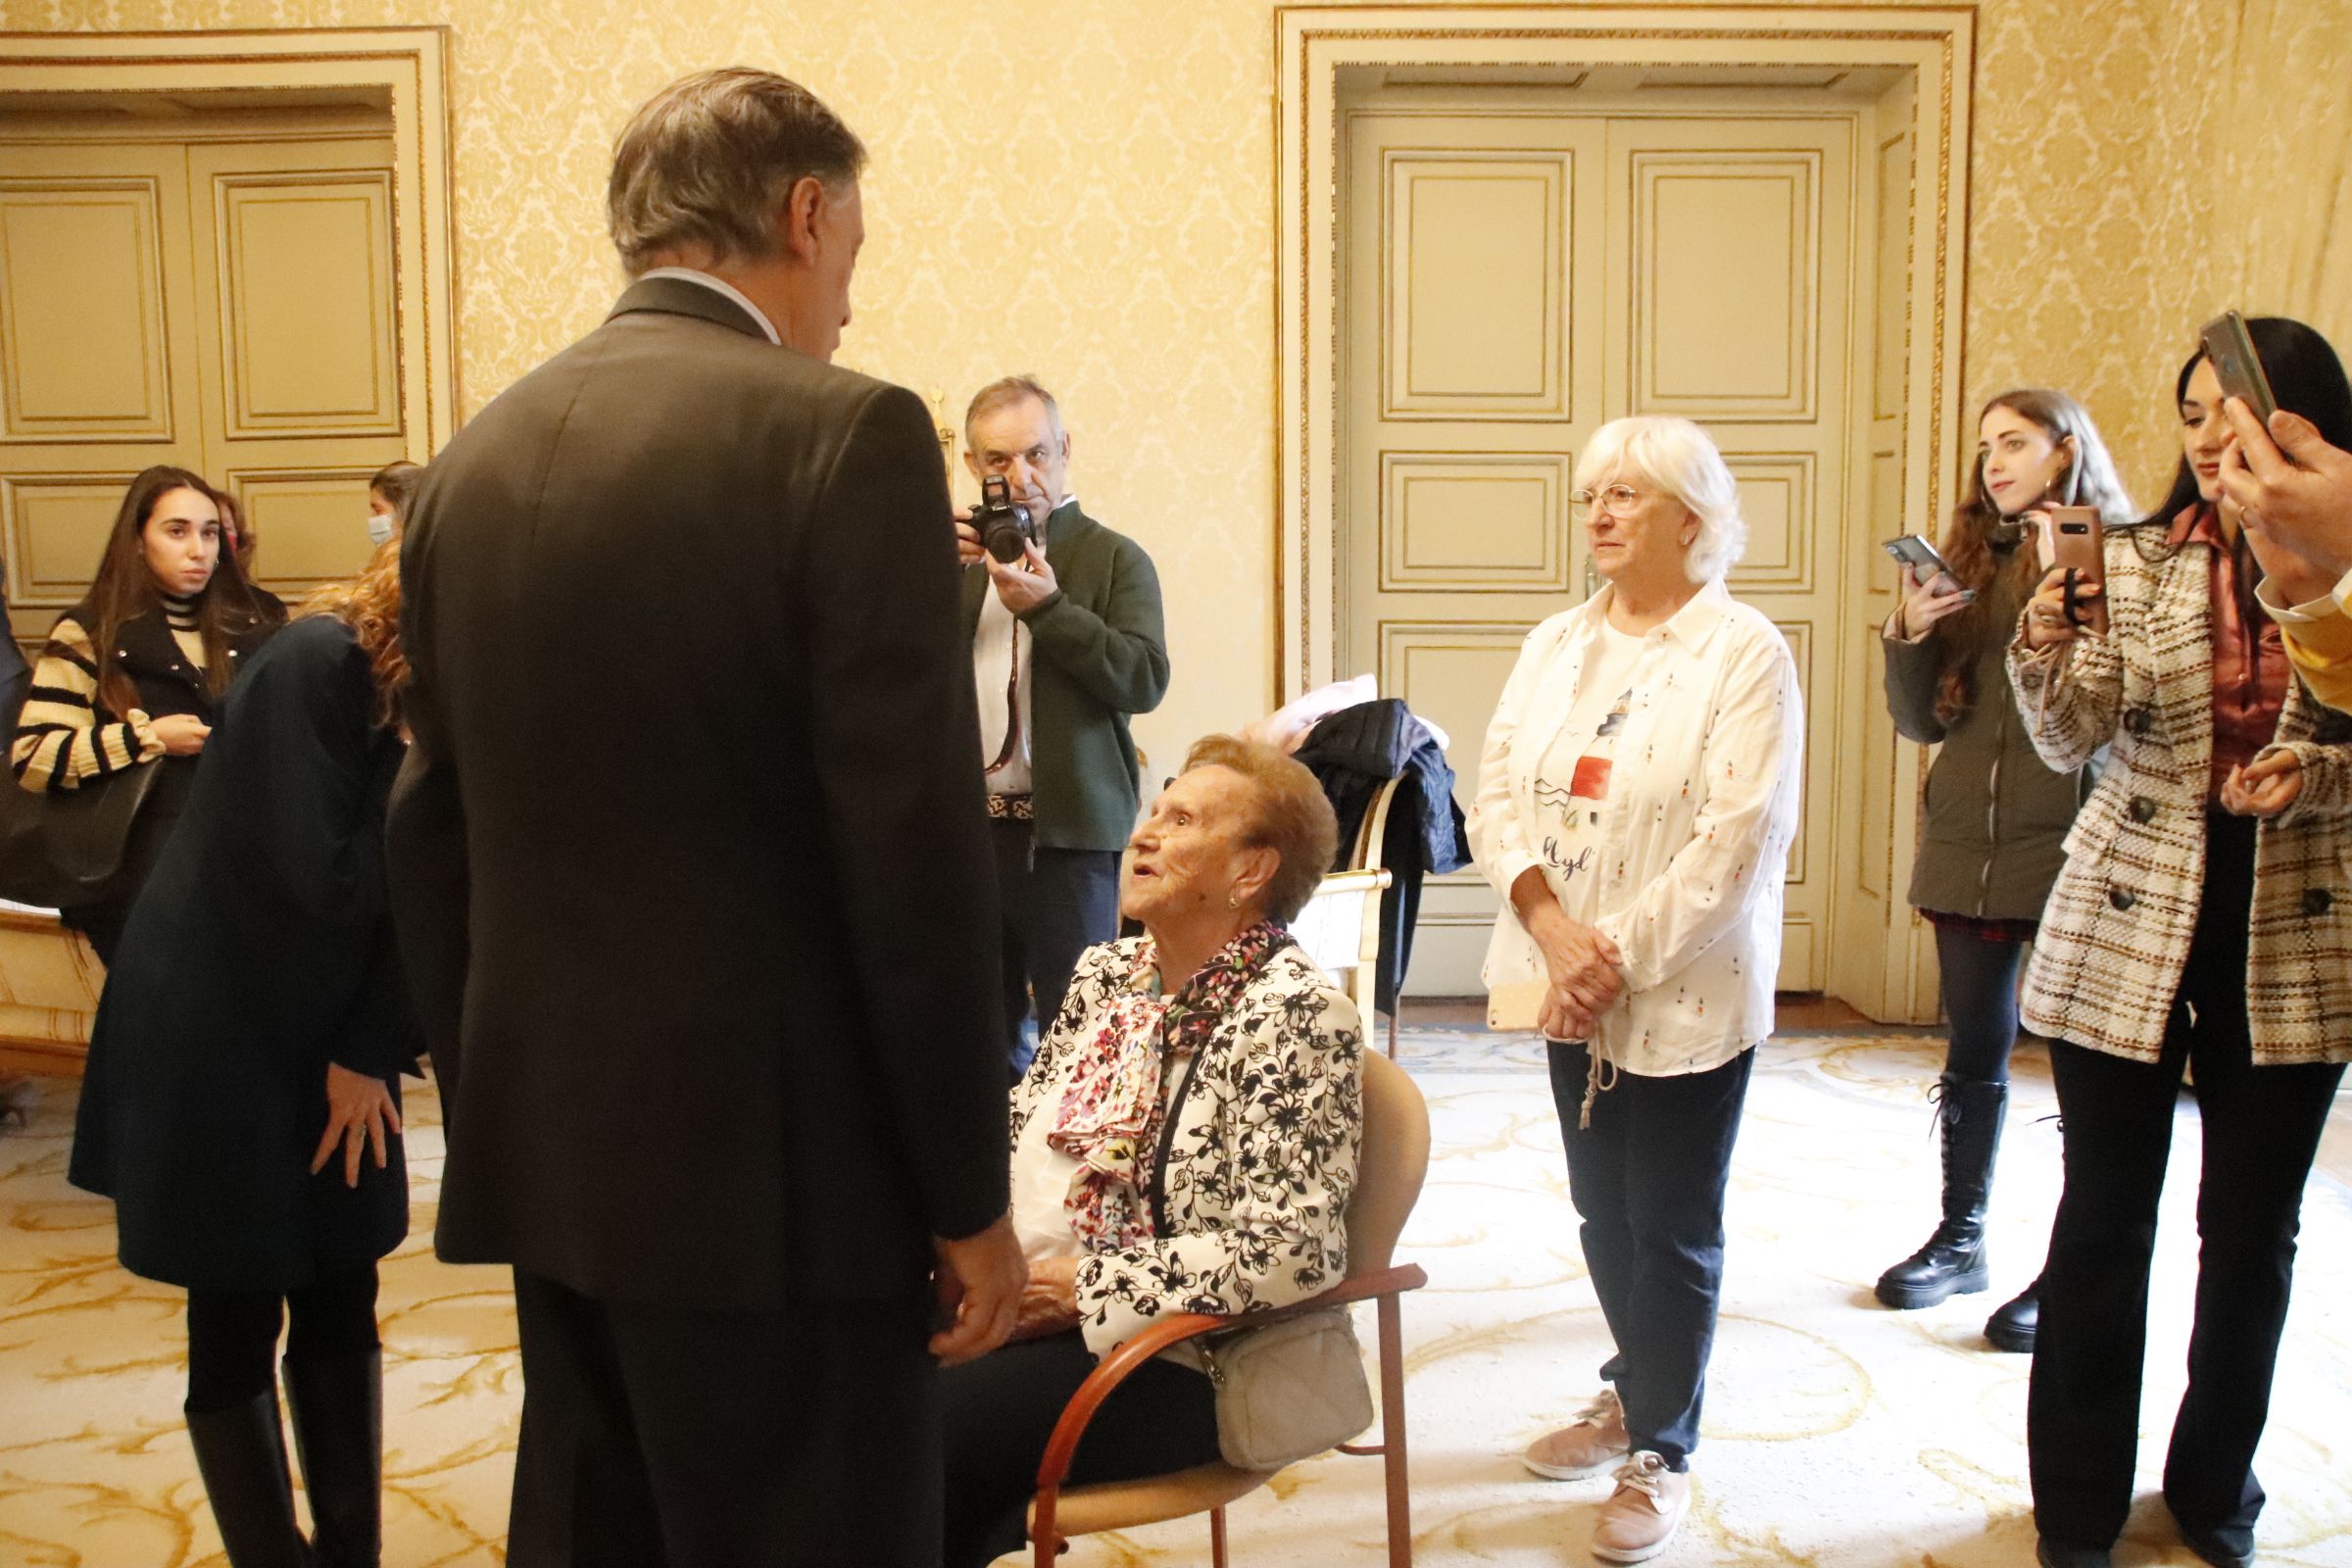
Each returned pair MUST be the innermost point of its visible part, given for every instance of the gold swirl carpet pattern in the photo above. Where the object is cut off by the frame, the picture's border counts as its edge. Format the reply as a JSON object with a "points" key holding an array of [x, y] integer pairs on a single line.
{"points": [[1836, 1432]]}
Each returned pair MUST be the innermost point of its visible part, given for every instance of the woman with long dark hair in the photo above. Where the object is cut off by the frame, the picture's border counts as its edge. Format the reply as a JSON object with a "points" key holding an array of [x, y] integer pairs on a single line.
{"points": [[133, 674], [241, 1103], [1995, 816], [2201, 923]]}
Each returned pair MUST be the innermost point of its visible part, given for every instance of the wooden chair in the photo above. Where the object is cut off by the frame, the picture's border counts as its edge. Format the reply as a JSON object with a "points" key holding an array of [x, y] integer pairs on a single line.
{"points": [[1390, 1169], [1339, 927]]}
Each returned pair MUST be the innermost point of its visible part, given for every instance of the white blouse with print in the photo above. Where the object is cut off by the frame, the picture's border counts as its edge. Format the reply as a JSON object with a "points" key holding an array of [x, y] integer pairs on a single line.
{"points": [[1675, 842]]}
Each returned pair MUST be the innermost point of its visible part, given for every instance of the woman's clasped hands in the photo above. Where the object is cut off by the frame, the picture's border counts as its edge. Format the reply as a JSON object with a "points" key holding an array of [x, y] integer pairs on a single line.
{"points": [[1582, 964]]}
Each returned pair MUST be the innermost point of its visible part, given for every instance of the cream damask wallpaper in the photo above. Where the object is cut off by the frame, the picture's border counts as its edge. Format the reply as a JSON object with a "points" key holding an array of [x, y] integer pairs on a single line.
{"points": [[1084, 188]]}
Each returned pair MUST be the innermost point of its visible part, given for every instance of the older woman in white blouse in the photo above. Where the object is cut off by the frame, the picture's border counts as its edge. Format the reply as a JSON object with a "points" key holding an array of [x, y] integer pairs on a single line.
{"points": [[1636, 802]]}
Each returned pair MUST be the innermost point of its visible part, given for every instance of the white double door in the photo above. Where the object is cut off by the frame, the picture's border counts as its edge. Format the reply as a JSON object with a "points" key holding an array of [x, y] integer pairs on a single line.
{"points": [[1517, 279]]}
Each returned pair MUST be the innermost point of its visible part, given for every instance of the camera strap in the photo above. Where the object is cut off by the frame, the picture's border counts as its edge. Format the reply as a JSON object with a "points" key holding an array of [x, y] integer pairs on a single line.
{"points": [[1013, 707]]}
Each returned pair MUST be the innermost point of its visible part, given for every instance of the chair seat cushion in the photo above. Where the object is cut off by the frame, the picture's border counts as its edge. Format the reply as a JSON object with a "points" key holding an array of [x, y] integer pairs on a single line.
{"points": [[1123, 1504]]}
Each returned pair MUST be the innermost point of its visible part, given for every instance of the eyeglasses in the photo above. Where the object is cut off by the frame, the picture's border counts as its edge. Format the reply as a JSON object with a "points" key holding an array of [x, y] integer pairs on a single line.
{"points": [[1617, 499]]}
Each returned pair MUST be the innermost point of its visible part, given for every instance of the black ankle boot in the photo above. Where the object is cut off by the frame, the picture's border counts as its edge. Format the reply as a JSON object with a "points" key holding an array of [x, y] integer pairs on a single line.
{"points": [[1952, 1262], [337, 1402], [2048, 1553], [241, 1454], [2012, 1327]]}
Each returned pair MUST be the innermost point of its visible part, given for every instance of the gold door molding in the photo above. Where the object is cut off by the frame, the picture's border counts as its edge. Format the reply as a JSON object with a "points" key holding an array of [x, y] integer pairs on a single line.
{"points": [[1909, 421], [409, 67], [1317, 44]]}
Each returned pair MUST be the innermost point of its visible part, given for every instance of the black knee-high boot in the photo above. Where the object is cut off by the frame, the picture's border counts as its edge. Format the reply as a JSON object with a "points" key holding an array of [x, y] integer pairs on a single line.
{"points": [[1953, 1262], [337, 1401], [241, 1454]]}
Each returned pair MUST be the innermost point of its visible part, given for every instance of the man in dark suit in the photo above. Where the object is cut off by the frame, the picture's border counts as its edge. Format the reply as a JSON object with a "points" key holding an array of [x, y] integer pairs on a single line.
{"points": [[1067, 644], [690, 859]]}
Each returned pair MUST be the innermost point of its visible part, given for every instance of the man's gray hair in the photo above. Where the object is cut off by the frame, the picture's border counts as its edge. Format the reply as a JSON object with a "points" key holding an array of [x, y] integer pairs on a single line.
{"points": [[712, 158], [1678, 457], [1003, 393]]}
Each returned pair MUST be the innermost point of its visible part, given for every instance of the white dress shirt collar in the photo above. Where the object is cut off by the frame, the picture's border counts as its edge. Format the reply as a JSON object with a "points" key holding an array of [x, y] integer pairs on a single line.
{"points": [[720, 285]]}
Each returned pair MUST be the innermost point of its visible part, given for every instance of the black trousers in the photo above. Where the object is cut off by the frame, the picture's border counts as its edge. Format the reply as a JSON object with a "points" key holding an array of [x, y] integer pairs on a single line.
{"points": [[1648, 1178], [1002, 1408], [1980, 998], [232, 1335], [2260, 1129], [1056, 904], [661, 1438]]}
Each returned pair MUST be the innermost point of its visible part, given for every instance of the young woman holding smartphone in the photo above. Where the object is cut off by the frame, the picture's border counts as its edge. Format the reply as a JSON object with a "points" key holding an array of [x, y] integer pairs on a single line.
{"points": [[1995, 816], [2202, 921]]}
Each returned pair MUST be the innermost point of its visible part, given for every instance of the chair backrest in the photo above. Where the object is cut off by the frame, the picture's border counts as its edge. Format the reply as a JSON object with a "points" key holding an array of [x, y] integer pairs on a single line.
{"points": [[1372, 832], [1391, 1168]]}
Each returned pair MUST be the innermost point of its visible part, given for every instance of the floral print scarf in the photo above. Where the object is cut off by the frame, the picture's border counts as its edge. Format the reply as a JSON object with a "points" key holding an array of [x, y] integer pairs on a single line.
{"points": [[1110, 1112]]}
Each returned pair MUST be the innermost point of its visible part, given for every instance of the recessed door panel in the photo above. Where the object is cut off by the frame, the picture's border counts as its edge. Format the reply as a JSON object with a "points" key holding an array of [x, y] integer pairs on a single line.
{"points": [[1477, 303], [313, 524], [1724, 256], [57, 530], [1474, 524], [81, 310]]}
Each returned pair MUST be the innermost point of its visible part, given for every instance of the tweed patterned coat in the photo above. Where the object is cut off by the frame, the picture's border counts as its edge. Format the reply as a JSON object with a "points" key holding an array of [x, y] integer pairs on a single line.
{"points": [[2116, 933], [1262, 1160]]}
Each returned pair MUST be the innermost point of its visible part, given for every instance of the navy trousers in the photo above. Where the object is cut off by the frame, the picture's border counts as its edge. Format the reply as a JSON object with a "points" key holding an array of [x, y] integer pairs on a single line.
{"points": [[1056, 904], [2260, 1130], [1648, 1178]]}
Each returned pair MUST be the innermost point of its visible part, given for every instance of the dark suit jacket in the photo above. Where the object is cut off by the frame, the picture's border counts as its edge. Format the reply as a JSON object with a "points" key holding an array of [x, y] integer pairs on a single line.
{"points": [[1101, 655], [688, 856]]}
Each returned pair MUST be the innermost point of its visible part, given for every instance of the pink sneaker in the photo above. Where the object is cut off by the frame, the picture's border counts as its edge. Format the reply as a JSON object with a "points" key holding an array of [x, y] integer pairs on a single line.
{"points": [[1643, 1514], [1593, 1443]]}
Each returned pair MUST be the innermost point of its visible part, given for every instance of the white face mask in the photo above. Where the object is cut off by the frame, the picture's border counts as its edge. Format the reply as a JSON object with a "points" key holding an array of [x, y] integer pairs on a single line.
{"points": [[379, 528]]}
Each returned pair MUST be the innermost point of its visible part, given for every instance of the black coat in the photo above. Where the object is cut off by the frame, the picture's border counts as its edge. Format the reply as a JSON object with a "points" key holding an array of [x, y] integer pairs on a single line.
{"points": [[259, 952], [1351, 753], [690, 857]]}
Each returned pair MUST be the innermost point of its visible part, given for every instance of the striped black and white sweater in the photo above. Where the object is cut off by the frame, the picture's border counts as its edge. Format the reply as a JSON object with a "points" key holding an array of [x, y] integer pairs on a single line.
{"points": [[65, 735]]}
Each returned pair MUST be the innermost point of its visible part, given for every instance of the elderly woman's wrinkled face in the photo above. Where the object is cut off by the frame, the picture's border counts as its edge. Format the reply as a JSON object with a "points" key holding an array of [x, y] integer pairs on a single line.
{"points": [[1192, 850], [1640, 533]]}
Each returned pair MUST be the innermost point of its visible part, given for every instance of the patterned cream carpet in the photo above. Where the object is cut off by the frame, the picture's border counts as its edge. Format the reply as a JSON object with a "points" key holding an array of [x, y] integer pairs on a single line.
{"points": [[1837, 1434]]}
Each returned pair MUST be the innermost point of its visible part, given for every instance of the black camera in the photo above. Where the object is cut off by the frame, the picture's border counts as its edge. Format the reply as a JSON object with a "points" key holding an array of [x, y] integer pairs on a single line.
{"points": [[1001, 522]]}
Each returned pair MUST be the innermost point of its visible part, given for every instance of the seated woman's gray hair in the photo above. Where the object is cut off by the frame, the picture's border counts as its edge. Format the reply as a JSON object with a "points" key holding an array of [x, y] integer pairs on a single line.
{"points": [[1675, 455], [1290, 814]]}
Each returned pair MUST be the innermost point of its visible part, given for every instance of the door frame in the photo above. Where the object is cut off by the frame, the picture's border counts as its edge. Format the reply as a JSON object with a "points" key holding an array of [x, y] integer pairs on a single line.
{"points": [[1887, 968], [411, 65]]}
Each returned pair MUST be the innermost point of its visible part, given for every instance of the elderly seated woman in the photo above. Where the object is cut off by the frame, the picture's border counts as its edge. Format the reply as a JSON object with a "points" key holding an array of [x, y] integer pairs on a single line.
{"points": [[1185, 1141]]}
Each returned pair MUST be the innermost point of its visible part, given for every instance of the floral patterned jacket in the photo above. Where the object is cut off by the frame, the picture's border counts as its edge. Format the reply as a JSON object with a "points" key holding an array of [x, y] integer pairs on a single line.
{"points": [[1267, 1121]]}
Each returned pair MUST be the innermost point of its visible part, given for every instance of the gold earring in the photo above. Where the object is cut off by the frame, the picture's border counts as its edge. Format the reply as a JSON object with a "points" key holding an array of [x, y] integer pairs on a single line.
{"points": [[1232, 903]]}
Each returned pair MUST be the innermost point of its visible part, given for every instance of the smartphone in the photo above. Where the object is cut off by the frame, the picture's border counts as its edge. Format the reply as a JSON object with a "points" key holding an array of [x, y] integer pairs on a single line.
{"points": [[2236, 365], [2077, 540], [1914, 550]]}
